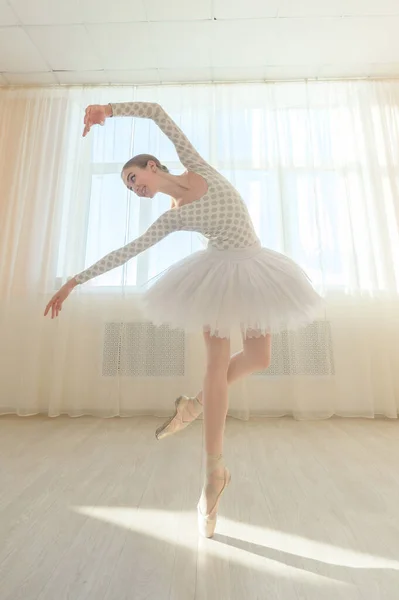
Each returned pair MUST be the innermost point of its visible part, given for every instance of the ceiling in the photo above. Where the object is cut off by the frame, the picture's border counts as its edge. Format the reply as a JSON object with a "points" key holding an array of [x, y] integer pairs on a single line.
{"points": [[163, 41]]}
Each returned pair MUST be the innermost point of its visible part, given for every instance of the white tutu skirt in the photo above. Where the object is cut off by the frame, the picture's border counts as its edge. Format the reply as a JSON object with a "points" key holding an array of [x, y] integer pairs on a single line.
{"points": [[255, 289]]}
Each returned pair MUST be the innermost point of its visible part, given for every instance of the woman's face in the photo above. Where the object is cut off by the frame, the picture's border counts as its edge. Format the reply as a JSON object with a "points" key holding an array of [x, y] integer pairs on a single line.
{"points": [[143, 182]]}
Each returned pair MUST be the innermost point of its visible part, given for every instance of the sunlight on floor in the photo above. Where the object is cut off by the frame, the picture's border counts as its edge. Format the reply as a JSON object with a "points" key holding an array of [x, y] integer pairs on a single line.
{"points": [[247, 545]]}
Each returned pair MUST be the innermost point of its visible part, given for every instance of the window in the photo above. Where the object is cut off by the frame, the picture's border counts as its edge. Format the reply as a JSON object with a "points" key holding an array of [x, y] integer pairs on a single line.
{"points": [[297, 169]]}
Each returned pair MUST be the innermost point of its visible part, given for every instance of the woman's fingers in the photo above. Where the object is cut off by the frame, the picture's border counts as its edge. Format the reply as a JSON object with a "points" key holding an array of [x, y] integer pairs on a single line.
{"points": [[93, 116], [55, 308], [47, 308], [55, 305], [87, 121]]}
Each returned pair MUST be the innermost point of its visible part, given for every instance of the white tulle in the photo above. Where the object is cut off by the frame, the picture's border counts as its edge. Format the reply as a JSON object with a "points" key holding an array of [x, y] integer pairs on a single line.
{"points": [[255, 289]]}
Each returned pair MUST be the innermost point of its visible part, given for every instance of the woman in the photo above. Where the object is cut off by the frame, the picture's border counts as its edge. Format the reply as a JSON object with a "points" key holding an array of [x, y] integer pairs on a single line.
{"points": [[233, 283]]}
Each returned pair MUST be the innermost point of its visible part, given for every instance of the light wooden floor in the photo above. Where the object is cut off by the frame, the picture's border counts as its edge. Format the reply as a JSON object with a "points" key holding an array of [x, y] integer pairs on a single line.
{"points": [[99, 510]]}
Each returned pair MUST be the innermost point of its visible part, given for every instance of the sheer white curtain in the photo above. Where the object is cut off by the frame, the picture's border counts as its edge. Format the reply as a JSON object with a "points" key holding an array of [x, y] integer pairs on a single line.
{"points": [[318, 166]]}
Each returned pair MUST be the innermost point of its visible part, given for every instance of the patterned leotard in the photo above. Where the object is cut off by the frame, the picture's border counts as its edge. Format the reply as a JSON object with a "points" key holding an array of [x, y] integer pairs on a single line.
{"points": [[220, 215]]}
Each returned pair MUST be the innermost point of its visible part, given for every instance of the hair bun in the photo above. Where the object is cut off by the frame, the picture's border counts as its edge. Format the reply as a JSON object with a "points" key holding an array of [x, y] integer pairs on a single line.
{"points": [[142, 160]]}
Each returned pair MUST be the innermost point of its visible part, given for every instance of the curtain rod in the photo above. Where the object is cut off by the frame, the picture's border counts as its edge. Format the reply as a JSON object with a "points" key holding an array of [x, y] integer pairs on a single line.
{"points": [[194, 83]]}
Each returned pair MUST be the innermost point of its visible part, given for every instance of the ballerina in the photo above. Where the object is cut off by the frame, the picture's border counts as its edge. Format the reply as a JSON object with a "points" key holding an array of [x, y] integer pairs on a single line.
{"points": [[233, 283]]}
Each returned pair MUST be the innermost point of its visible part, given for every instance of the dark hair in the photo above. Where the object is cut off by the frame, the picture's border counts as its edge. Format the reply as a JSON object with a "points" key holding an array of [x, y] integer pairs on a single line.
{"points": [[142, 160]]}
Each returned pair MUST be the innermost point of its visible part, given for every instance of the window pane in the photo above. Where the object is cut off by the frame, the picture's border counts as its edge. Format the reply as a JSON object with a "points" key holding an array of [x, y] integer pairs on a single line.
{"points": [[113, 222]]}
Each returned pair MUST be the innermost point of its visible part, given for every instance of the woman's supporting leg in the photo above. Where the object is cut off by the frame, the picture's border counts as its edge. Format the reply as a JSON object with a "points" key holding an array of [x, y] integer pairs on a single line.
{"points": [[255, 356], [215, 402], [215, 393]]}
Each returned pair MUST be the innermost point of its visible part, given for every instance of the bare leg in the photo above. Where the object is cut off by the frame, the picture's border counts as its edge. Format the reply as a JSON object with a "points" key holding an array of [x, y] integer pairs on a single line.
{"points": [[215, 397], [254, 356], [215, 392]]}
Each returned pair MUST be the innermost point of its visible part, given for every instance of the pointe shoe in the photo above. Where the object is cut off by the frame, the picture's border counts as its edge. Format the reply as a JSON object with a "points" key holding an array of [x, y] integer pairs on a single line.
{"points": [[207, 523], [187, 410]]}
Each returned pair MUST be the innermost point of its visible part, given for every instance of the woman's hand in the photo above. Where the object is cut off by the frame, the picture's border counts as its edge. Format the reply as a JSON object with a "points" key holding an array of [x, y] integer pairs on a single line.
{"points": [[56, 301], [95, 115]]}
